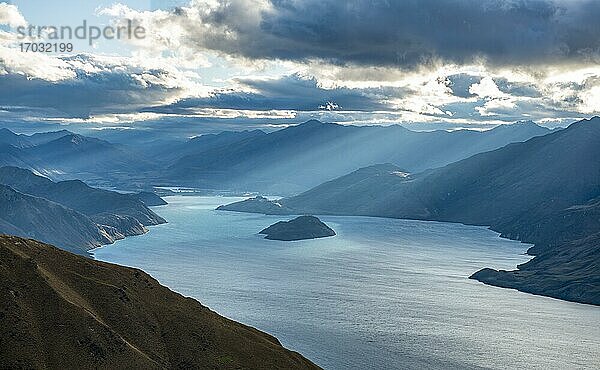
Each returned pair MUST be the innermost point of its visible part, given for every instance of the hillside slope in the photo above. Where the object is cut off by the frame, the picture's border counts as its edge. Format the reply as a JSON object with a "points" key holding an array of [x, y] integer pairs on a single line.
{"points": [[99, 315], [28, 216], [127, 213]]}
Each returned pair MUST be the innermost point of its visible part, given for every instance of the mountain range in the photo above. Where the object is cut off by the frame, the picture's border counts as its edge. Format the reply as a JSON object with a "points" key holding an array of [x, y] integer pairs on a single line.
{"points": [[544, 191], [286, 161], [65, 155], [70, 213], [524, 181], [299, 157], [38, 218]]}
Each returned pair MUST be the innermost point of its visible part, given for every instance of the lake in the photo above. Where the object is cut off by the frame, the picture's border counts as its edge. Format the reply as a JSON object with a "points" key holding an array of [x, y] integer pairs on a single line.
{"points": [[381, 294]]}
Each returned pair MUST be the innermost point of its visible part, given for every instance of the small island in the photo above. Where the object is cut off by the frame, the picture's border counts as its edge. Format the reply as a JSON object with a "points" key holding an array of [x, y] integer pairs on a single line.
{"points": [[257, 204], [300, 228]]}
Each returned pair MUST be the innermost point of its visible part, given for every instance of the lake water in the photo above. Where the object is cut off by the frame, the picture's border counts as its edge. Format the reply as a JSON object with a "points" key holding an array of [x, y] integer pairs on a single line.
{"points": [[382, 294]]}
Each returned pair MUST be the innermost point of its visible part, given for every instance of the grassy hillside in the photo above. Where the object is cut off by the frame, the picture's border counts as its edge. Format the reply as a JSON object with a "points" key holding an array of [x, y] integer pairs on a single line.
{"points": [[59, 310]]}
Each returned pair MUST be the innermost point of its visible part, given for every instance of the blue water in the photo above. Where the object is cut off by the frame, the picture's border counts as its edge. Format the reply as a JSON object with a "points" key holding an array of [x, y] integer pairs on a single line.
{"points": [[381, 294]]}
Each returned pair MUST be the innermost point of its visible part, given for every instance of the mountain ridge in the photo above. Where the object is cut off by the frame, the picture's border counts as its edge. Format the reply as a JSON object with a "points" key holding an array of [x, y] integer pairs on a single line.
{"points": [[100, 315], [302, 156], [89, 217], [543, 191]]}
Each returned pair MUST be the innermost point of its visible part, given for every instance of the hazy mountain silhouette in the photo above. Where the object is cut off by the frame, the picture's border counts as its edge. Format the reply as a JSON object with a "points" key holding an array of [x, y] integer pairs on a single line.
{"points": [[74, 153], [286, 161], [8, 137], [299, 157], [63, 154]]}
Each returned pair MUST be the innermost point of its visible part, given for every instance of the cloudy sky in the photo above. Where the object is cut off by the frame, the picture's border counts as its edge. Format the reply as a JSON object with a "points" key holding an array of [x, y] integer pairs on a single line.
{"points": [[253, 63]]}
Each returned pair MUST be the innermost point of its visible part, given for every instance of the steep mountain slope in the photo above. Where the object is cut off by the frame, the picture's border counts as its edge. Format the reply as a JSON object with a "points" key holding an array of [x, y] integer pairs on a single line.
{"points": [[33, 217], [569, 271], [124, 212], [45, 137], [150, 199], [99, 315], [299, 157], [8, 137], [543, 191]]}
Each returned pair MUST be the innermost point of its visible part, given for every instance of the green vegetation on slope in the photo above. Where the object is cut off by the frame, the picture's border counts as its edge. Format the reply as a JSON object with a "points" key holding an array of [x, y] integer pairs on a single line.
{"points": [[63, 311]]}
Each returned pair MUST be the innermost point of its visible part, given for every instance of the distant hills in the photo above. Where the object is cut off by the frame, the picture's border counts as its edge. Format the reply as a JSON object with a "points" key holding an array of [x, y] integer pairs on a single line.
{"points": [[70, 213], [522, 180], [299, 157], [39, 218], [287, 161], [544, 191], [60, 311], [8, 137], [63, 154]]}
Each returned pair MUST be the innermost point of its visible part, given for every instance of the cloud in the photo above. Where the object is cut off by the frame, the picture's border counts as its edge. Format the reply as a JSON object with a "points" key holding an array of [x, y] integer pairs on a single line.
{"points": [[402, 34], [293, 92], [455, 62], [86, 85], [486, 88], [10, 15], [80, 85]]}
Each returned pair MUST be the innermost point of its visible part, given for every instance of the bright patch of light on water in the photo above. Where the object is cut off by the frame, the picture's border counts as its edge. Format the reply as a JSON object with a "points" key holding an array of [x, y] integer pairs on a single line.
{"points": [[381, 294]]}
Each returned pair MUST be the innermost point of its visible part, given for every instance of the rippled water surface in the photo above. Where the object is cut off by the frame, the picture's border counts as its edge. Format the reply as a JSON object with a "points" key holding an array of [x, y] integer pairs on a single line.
{"points": [[381, 294]]}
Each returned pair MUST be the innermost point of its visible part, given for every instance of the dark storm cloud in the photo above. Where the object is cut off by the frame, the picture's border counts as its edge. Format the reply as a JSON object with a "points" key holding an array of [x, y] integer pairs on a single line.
{"points": [[96, 88], [404, 33], [518, 89], [287, 93]]}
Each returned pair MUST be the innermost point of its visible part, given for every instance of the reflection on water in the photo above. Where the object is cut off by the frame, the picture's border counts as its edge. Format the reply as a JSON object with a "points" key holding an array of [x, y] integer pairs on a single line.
{"points": [[381, 294]]}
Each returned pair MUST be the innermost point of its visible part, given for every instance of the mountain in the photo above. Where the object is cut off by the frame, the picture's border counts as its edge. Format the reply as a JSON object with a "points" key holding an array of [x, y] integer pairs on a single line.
{"points": [[75, 154], [150, 199], [257, 205], [286, 161], [164, 148], [544, 191], [13, 156], [29, 216], [568, 271], [299, 157], [8, 137], [59, 311], [85, 217], [45, 137], [369, 191], [124, 212], [198, 145], [11, 146], [66, 155]]}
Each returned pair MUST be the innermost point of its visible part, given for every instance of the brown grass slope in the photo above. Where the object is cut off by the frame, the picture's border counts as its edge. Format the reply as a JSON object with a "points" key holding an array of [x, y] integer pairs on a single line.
{"points": [[63, 311]]}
